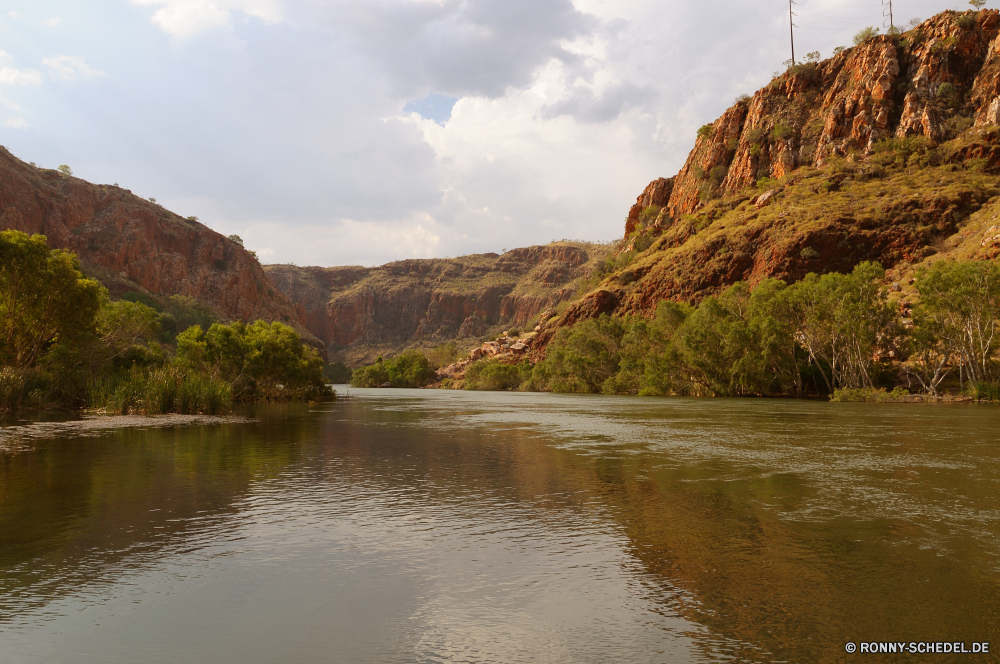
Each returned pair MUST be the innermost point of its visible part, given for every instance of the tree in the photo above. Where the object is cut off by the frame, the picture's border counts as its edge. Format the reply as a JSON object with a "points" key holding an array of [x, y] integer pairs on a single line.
{"points": [[44, 299], [978, 4], [262, 361], [65, 170], [957, 315], [865, 34], [843, 322], [237, 239]]}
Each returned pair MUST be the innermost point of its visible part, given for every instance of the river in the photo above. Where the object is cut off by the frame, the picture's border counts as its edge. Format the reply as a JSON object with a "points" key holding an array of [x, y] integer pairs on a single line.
{"points": [[441, 526]]}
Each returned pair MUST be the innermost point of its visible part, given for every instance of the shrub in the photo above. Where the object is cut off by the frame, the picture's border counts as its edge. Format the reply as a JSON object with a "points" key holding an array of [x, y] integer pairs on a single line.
{"points": [[649, 214], [869, 394], [411, 369], [65, 170], [493, 375], [781, 132], [864, 35], [706, 131], [965, 22]]}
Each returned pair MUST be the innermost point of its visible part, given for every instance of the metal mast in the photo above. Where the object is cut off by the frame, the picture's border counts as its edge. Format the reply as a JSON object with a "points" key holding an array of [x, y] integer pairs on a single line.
{"points": [[887, 13], [791, 30]]}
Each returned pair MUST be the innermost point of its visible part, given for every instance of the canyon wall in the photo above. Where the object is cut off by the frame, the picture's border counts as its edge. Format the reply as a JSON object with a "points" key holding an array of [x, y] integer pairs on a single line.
{"points": [[131, 244]]}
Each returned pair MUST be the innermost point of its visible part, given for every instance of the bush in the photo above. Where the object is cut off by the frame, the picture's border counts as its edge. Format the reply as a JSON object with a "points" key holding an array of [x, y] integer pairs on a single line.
{"points": [[781, 131], [869, 394], [493, 375], [706, 131], [864, 35], [410, 369]]}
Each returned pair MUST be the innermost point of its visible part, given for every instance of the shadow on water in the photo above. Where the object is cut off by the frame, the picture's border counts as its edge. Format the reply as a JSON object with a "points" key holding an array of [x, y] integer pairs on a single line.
{"points": [[743, 530]]}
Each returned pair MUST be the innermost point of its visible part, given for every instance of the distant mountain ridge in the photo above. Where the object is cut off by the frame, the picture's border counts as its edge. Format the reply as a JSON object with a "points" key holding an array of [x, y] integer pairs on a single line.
{"points": [[362, 312]]}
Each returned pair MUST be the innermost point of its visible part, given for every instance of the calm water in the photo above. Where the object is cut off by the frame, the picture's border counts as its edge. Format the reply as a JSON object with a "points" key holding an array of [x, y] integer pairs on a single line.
{"points": [[425, 526]]}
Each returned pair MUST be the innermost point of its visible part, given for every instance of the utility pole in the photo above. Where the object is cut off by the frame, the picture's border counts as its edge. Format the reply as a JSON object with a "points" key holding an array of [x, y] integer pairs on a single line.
{"points": [[887, 13], [791, 30]]}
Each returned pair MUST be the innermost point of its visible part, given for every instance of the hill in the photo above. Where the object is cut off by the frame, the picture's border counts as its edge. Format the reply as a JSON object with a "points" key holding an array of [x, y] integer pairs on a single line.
{"points": [[130, 244], [362, 312], [887, 151]]}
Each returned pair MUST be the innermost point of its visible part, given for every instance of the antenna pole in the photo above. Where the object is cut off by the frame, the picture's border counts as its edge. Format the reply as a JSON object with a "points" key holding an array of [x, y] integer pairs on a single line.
{"points": [[791, 31]]}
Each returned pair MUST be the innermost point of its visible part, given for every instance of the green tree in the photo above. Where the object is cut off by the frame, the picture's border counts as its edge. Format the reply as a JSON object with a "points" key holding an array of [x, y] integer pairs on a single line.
{"points": [[864, 35], [65, 170], [45, 300], [262, 361], [843, 322], [957, 316]]}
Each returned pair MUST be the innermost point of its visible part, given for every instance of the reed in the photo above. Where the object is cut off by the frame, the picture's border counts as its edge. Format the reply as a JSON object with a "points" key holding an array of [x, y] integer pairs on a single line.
{"points": [[160, 391]]}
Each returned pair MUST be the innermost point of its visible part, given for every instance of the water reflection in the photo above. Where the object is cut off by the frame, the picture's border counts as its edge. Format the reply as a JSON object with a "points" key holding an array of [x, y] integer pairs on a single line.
{"points": [[426, 526]]}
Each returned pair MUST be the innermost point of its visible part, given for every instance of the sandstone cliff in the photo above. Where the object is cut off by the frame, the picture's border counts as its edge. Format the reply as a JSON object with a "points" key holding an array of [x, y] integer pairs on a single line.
{"points": [[884, 152], [363, 312], [131, 244]]}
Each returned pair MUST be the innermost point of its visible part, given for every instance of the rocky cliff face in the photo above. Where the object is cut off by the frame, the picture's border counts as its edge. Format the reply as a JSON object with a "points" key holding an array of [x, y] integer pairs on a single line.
{"points": [[131, 244], [362, 312], [884, 152], [934, 81]]}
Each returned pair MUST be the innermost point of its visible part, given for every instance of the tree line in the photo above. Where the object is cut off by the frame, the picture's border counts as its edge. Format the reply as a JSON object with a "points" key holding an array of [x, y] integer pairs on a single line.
{"points": [[65, 344], [829, 334]]}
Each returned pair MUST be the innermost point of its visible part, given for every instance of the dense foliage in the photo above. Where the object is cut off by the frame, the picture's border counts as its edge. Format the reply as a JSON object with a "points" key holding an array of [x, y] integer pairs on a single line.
{"points": [[64, 343], [820, 335], [410, 369], [261, 361]]}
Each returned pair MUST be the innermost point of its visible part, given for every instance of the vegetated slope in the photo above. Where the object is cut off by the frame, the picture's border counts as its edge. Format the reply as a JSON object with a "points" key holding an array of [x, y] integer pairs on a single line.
{"points": [[131, 244], [364, 312], [882, 152]]}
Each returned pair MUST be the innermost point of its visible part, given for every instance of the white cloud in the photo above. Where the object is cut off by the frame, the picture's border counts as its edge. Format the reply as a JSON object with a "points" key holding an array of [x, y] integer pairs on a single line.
{"points": [[186, 18], [12, 122], [9, 104], [51, 22], [11, 76], [70, 67], [12, 14]]}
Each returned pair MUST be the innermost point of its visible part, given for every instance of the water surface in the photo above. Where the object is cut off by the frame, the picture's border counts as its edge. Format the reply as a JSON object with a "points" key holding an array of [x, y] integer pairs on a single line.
{"points": [[437, 526]]}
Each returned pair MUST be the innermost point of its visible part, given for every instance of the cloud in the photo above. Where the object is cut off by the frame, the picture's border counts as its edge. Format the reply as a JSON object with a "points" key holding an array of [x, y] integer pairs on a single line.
{"points": [[12, 122], [186, 18], [51, 22], [12, 14], [10, 76], [70, 67]]}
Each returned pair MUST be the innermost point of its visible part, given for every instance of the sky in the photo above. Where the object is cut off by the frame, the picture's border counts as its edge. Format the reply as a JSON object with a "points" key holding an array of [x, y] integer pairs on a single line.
{"points": [[358, 132]]}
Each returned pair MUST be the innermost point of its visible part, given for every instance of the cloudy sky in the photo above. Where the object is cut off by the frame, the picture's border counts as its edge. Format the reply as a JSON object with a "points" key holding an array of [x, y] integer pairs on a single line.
{"points": [[332, 132]]}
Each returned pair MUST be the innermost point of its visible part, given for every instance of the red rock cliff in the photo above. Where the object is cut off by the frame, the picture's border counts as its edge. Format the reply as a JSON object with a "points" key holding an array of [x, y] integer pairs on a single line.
{"points": [[132, 244]]}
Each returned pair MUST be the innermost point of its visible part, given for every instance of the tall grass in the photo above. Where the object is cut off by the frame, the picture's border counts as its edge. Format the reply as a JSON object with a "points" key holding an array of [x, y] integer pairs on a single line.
{"points": [[983, 391], [159, 391]]}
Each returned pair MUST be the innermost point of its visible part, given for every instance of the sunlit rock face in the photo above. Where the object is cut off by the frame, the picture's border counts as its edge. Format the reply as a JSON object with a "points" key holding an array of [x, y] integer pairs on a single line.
{"points": [[131, 244], [799, 177]]}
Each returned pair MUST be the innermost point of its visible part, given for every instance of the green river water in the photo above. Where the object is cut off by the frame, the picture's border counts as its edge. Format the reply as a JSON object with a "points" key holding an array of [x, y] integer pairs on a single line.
{"points": [[439, 526]]}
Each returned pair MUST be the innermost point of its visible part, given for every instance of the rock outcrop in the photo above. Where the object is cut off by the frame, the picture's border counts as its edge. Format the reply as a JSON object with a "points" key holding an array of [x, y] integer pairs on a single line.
{"points": [[131, 244], [800, 177], [506, 349], [928, 82], [362, 312]]}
